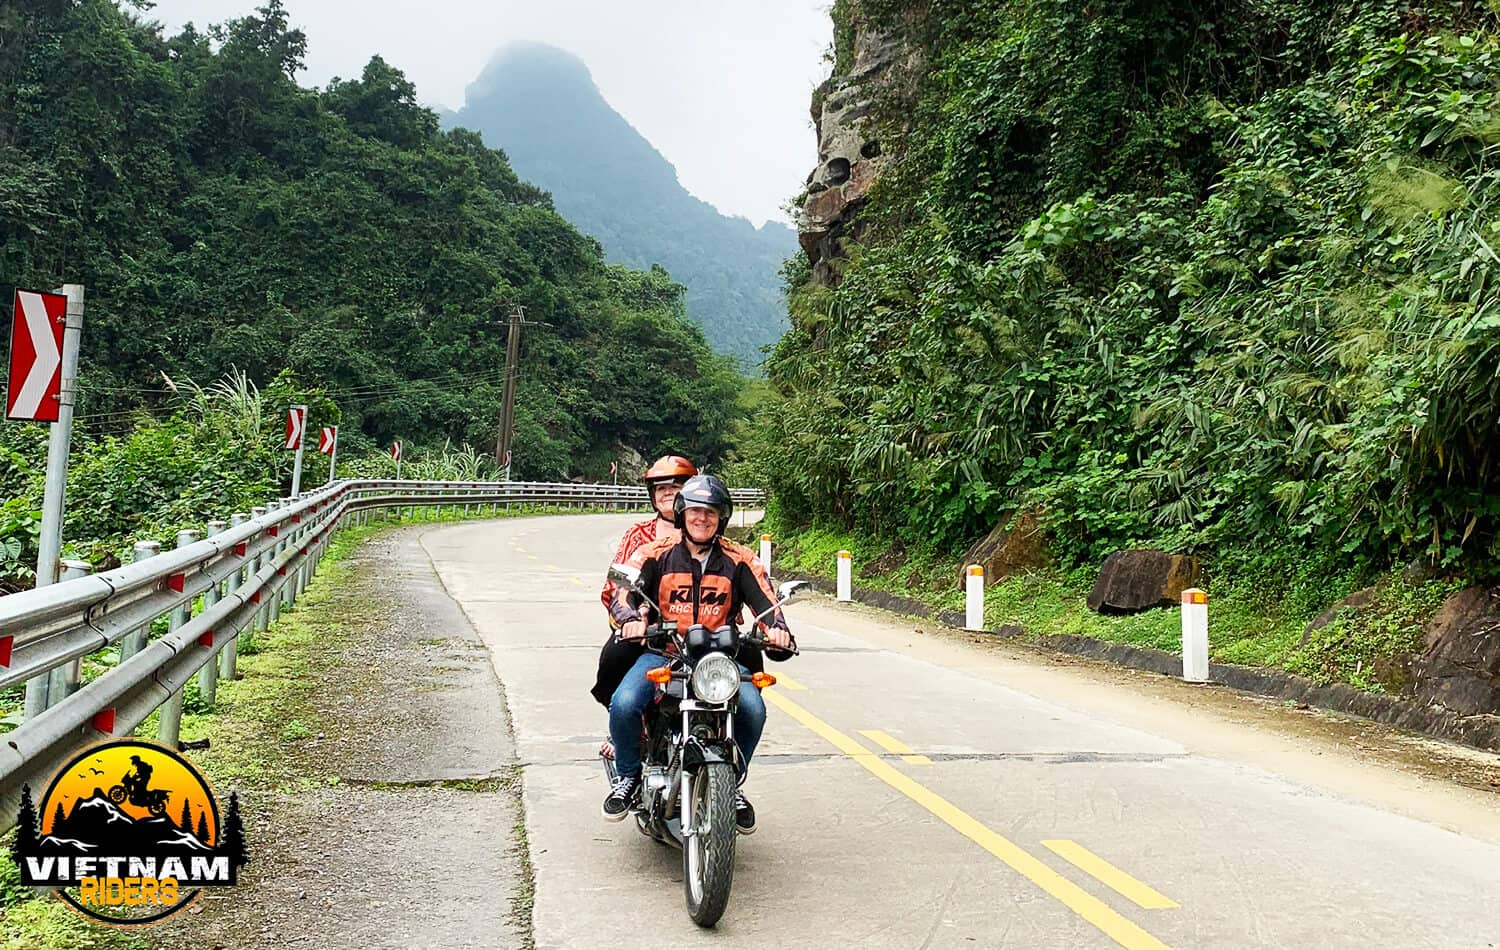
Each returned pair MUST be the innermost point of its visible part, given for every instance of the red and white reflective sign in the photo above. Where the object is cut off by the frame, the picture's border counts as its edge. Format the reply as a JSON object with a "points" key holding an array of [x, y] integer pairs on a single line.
{"points": [[328, 439], [396, 450], [296, 424], [36, 335], [614, 467]]}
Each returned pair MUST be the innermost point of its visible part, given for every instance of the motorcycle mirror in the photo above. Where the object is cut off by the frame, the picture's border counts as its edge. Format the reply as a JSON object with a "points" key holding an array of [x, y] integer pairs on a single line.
{"points": [[624, 574], [792, 590]]}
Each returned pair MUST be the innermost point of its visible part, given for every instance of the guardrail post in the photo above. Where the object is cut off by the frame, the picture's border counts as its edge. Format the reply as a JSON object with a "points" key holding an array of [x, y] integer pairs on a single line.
{"points": [[290, 590], [262, 616], [135, 640], [314, 553], [273, 612], [63, 681], [303, 572], [299, 577], [208, 676], [229, 654], [169, 725]]}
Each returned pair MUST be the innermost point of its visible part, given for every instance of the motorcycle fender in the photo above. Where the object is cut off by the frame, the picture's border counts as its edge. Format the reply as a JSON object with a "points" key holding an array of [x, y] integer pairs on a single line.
{"points": [[696, 753]]}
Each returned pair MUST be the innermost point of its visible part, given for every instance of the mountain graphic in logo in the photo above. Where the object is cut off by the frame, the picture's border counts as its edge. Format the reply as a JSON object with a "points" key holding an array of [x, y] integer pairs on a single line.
{"points": [[95, 821]]}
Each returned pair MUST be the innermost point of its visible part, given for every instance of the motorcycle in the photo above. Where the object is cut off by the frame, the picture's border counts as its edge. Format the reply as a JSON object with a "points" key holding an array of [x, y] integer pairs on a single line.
{"points": [[689, 757], [153, 800]]}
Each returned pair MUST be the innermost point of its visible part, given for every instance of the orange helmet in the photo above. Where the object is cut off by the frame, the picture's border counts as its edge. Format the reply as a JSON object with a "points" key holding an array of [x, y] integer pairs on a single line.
{"points": [[670, 468]]}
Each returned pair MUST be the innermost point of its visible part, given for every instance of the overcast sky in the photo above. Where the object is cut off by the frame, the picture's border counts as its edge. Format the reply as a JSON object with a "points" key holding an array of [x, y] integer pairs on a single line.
{"points": [[720, 87]]}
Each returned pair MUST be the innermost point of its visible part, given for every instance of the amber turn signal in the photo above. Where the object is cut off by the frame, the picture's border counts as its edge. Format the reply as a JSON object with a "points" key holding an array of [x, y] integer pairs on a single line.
{"points": [[660, 676], [762, 680]]}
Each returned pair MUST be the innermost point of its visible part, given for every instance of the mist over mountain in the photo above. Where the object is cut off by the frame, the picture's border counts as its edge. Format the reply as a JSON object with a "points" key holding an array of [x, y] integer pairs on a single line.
{"points": [[540, 105]]}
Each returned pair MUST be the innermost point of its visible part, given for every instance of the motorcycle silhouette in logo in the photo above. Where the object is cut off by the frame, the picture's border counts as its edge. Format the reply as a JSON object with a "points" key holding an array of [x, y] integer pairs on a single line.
{"points": [[133, 787]]}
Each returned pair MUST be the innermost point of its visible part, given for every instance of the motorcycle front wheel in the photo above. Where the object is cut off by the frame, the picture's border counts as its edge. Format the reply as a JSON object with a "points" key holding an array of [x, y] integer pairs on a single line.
{"points": [[708, 852]]}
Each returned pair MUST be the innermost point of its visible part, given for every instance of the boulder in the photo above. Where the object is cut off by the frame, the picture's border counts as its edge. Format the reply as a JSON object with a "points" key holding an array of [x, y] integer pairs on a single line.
{"points": [[1016, 545], [1460, 663], [1354, 603], [892, 559], [1133, 581]]}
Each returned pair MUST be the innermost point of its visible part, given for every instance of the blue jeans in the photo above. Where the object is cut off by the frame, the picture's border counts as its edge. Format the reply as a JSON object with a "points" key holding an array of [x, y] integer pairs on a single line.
{"points": [[635, 693]]}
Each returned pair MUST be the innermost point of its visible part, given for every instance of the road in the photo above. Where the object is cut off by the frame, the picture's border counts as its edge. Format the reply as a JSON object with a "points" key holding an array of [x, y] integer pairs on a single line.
{"points": [[917, 789]]}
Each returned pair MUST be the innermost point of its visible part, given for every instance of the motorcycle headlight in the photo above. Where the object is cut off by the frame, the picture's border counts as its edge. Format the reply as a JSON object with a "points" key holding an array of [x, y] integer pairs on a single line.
{"points": [[716, 678]]}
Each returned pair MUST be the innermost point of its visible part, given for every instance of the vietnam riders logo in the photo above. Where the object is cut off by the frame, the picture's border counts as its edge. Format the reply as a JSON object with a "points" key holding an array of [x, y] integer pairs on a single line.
{"points": [[129, 833]]}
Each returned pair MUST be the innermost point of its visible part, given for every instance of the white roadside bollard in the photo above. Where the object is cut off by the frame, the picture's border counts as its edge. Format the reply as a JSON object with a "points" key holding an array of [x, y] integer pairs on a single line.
{"points": [[974, 598], [1195, 635], [765, 553], [846, 576]]}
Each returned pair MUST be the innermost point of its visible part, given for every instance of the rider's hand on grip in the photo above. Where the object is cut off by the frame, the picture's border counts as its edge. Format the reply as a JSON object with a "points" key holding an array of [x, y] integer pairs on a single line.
{"points": [[634, 630], [778, 638]]}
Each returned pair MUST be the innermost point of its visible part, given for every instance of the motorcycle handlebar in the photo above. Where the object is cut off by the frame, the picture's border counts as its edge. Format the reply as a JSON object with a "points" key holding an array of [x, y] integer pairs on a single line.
{"points": [[657, 637]]}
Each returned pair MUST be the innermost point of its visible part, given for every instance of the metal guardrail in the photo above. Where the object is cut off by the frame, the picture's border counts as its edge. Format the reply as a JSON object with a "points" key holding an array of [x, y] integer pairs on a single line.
{"points": [[238, 578]]}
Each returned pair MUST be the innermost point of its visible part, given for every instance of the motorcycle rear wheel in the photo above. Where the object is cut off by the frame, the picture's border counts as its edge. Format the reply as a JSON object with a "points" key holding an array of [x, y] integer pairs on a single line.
{"points": [[708, 855]]}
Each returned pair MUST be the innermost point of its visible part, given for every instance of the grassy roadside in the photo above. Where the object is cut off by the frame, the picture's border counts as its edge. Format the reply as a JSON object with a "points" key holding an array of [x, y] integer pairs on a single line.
{"points": [[1254, 620], [255, 729]]}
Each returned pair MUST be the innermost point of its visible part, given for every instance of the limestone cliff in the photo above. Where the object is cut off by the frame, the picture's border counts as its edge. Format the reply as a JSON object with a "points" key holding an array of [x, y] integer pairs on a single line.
{"points": [[871, 60]]}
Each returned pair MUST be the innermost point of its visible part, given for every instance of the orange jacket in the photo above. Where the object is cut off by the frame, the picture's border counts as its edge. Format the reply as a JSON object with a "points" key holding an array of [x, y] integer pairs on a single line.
{"points": [[711, 594], [639, 534]]}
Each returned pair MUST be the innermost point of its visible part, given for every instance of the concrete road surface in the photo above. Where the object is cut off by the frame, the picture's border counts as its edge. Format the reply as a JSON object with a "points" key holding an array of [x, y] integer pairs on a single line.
{"points": [[916, 789]]}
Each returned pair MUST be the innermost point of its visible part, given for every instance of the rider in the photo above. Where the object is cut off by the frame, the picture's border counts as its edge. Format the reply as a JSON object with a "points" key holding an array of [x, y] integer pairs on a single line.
{"points": [[663, 480], [141, 778], [712, 578]]}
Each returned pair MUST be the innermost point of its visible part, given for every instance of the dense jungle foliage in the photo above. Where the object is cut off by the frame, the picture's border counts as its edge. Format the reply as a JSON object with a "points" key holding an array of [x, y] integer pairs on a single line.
{"points": [[1218, 276], [243, 237]]}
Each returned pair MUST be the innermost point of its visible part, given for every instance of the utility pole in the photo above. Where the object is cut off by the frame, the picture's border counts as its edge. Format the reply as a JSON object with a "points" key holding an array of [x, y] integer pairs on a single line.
{"points": [[508, 409]]}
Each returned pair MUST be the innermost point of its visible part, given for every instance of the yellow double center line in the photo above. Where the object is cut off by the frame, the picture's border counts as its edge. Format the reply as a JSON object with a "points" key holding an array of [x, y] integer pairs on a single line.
{"points": [[1075, 898]]}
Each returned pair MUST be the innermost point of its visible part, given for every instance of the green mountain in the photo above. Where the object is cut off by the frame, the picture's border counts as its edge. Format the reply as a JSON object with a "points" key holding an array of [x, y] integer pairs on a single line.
{"points": [[540, 105], [225, 218]]}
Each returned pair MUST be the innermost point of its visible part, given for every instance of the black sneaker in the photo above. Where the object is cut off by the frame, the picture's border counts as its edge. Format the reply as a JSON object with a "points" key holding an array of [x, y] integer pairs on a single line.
{"points": [[744, 814], [621, 797]]}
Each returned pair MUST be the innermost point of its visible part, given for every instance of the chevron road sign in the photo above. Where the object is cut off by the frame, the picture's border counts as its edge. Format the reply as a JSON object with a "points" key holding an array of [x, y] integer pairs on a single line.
{"points": [[36, 339]]}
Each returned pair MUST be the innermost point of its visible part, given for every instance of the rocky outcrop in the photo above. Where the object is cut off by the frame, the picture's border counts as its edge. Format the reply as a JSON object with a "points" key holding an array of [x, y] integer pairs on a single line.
{"points": [[1015, 546], [1133, 581], [849, 154], [1352, 604], [1459, 668]]}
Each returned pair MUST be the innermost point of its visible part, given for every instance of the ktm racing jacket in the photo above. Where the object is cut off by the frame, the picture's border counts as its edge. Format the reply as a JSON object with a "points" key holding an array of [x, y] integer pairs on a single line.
{"points": [[640, 534], [710, 593]]}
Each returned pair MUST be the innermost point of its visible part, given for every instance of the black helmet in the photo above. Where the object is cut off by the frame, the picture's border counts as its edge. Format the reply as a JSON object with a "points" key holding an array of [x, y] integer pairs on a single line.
{"points": [[703, 491]]}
